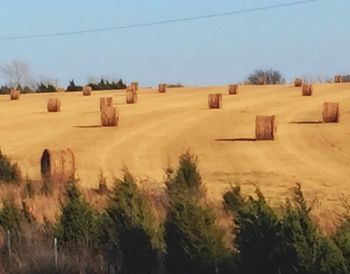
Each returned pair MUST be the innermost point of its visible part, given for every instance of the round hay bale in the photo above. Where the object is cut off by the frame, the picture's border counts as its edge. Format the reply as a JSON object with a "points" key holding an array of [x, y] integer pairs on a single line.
{"points": [[298, 82], [106, 102], [215, 100], [131, 88], [60, 90], [330, 113], [87, 90], [265, 128], [233, 89], [338, 79], [162, 88], [57, 165], [131, 97], [307, 90], [54, 105], [14, 94], [135, 85], [109, 117]]}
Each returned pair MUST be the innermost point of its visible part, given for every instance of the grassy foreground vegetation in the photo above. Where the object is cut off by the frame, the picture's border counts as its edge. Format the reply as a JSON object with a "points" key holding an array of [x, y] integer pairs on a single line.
{"points": [[128, 230]]}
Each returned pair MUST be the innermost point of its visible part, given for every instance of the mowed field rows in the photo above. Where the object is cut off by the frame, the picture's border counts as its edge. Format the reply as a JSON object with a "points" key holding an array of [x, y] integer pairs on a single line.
{"points": [[160, 127]]}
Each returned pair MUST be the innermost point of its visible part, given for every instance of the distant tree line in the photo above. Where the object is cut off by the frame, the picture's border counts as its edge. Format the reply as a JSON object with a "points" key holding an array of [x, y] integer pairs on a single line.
{"points": [[102, 84], [40, 88], [47, 87], [268, 77]]}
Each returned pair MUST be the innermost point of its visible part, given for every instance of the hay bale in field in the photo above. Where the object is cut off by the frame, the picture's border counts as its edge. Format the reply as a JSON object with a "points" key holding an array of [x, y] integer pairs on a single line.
{"points": [[233, 89], [60, 90], [307, 90], [162, 88], [106, 102], [135, 85], [54, 105], [298, 82], [131, 88], [131, 96], [330, 112], [338, 79], [109, 117], [14, 94], [265, 128], [215, 100], [57, 165], [87, 90]]}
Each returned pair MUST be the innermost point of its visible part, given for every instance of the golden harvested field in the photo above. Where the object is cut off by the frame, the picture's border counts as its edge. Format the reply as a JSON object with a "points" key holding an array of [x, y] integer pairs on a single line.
{"points": [[161, 126]]}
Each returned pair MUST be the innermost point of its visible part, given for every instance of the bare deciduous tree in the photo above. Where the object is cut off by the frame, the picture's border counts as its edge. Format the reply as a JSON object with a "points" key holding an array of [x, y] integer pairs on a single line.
{"points": [[16, 73]]}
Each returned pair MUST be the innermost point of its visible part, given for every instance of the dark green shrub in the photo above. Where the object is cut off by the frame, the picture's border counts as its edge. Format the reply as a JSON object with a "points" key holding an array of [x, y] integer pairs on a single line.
{"points": [[346, 78], [73, 87], [77, 223], [5, 90], [311, 251], [130, 217], [46, 88], [257, 233], [24, 89], [191, 234], [177, 85], [9, 172], [10, 217], [107, 85], [342, 239], [194, 239], [287, 244], [186, 182]]}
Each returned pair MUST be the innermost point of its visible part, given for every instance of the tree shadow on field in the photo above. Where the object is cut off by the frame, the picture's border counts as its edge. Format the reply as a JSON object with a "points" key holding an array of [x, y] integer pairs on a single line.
{"points": [[305, 122], [91, 126], [236, 140]]}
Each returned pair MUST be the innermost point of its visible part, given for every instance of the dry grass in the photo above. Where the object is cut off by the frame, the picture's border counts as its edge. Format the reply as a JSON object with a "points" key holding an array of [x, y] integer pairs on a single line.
{"points": [[164, 126]]}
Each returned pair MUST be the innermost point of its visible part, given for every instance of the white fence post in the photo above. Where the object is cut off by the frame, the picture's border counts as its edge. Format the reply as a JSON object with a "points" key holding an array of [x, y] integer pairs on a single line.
{"points": [[56, 255], [9, 242]]}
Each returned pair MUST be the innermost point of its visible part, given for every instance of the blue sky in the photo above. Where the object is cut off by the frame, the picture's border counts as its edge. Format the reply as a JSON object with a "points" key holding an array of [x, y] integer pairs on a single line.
{"points": [[309, 40]]}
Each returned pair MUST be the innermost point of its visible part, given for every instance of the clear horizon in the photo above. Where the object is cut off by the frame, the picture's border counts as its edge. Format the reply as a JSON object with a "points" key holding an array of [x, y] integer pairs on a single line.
{"points": [[308, 40]]}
